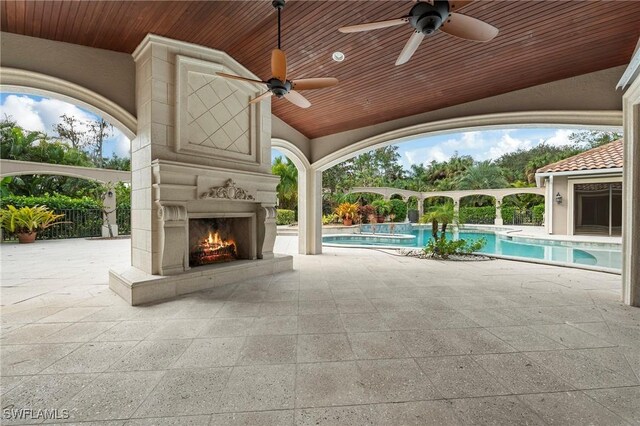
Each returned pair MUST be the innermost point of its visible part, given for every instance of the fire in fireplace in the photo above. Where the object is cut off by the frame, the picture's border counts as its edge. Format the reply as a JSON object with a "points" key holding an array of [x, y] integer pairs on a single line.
{"points": [[211, 241]]}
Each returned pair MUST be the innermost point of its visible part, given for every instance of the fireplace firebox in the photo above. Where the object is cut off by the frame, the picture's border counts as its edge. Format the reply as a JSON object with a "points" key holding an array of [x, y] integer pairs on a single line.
{"points": [[219, 240]]}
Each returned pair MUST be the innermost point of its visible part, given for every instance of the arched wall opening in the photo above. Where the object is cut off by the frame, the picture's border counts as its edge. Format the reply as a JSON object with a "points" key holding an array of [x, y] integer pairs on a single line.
{"points": [[43, 94], [564, 120], [301, 162], [28, 82], [596, 120]]}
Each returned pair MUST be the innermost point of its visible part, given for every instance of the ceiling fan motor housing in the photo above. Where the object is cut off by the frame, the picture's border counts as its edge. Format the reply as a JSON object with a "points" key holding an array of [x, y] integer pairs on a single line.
{"points": [[427, 18], [279, 88]]}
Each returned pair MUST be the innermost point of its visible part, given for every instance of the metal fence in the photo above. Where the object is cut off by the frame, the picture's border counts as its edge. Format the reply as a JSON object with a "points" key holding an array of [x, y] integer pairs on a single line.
{"points": [[81, 224], [525, 217]]}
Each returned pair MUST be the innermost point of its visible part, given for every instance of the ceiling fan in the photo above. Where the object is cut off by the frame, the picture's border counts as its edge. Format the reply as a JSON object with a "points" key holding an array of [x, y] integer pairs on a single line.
{"points": [[278, 84], [426, 18]]}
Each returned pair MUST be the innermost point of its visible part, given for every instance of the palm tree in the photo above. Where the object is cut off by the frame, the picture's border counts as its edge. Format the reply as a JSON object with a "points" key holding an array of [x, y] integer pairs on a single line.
{"points": [[442, 213], [288, 187], [483, 175]]}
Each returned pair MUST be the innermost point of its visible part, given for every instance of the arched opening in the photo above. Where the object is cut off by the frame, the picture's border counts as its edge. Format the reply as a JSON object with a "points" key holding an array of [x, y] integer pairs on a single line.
{"points": [[71, 157], [294, 183], [523, 209]]}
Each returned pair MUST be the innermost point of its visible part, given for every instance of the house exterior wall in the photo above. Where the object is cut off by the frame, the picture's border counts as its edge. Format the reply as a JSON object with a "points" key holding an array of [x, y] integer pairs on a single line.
{"points": [[560, 211], [562, 214]]}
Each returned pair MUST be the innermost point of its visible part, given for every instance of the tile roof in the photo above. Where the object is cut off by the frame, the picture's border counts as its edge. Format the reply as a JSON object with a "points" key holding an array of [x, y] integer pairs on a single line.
{"points": [[607, 156]]}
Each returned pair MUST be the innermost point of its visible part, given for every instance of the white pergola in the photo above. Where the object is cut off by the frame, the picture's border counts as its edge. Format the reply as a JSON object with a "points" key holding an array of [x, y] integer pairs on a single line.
{"points": [[497, 194]]}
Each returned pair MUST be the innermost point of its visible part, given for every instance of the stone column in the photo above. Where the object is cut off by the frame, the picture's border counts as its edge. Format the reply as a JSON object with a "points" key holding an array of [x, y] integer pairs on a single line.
{"points": [[498, 221], [313, 208], [630, 196], [303, 216], [420, 208]]}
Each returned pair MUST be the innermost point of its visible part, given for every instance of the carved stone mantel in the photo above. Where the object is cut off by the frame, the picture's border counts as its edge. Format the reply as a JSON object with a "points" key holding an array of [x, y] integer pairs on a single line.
{"points": [[228, 191]]}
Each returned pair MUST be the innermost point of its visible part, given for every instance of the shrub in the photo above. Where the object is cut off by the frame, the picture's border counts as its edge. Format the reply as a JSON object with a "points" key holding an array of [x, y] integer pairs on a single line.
{"points": [[26, 220], [347, 211], [330, 218], [365, 212], [381, 207], [443, 248], [507, 214], [538, 214], [285, 217], [56, 202], [483, 215], [398, 208]]}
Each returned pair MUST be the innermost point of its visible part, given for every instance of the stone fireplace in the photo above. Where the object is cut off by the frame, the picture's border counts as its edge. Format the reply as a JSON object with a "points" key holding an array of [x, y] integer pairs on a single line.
{"points": [[203, 196]]}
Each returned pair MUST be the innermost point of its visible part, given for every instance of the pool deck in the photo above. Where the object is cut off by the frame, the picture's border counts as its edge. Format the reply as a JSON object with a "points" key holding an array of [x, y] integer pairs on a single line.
{"points": [[348, 337]]}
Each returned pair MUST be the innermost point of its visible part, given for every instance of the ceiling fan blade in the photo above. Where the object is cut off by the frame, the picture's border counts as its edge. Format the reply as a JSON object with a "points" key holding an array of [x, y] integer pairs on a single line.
{"points": [[372, 25], [265, 95], [297, 99], [237, 77], [279, 64], [410, 48], [314, 83], [456, 5], [469, 28]]}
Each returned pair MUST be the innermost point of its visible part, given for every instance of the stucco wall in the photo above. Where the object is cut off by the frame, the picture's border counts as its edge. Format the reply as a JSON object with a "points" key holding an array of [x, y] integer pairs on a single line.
{"points": [[281, 130], [111, 74], [560, 211], [589, 92]]}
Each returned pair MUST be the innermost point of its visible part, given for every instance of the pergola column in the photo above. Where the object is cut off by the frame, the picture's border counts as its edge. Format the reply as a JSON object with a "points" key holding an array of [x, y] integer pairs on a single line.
{"points": [[631, 195], [498, 221], [456, 211], [420, 208]]}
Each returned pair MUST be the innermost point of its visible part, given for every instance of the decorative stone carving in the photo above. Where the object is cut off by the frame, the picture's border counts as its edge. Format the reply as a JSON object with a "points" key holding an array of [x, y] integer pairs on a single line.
{"points": [[229, 191], [168, 213]]}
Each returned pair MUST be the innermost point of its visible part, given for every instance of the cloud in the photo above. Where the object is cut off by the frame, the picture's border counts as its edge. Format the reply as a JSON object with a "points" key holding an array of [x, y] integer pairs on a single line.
{"points": [[426, 155], [505, 144], [122, 146], [560, 137], [41, 114]]}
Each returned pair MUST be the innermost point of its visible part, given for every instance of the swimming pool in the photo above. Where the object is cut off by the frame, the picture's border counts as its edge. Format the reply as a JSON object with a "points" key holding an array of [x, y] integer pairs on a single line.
{"points": [[590, 255]]}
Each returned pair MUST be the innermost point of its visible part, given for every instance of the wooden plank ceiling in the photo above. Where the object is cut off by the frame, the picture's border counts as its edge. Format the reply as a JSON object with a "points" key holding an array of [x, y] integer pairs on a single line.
{"points": [[539, 42]]}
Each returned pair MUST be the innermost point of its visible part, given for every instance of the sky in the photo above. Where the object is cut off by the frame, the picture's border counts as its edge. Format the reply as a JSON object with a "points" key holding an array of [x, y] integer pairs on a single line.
{"points": [[481, 145], [37, 113]]}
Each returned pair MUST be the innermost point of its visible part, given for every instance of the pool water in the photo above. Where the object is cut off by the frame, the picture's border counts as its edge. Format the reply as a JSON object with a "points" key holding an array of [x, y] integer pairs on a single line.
{"points": [[550, 251]]}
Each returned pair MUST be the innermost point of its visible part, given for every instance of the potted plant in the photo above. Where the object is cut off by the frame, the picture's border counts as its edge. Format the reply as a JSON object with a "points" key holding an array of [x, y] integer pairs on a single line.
{"points": [[382, 209], [27, 221], [347, 211]]}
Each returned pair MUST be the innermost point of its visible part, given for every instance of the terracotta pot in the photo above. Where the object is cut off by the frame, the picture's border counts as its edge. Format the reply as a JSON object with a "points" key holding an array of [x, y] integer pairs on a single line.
{"points": [[347, 222], [26, 238], [380, 219]]}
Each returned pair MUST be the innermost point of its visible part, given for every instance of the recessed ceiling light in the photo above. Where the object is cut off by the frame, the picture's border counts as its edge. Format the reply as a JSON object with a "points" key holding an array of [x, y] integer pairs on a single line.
{"points": [[338, 56]]}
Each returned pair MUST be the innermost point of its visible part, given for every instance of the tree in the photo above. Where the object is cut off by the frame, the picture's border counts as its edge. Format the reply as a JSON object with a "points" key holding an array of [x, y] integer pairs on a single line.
{"points": [[483, 175], [99, 131], [440, 214], [593, 138], [288, 187], [69, 129]]}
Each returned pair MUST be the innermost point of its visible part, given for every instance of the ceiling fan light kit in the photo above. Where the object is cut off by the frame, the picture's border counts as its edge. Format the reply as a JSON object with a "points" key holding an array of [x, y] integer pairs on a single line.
{"points": [[278, 85]]}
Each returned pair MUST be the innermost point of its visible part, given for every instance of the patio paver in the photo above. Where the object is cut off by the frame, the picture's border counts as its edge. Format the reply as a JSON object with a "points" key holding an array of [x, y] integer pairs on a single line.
{"points": [[350, 337]]}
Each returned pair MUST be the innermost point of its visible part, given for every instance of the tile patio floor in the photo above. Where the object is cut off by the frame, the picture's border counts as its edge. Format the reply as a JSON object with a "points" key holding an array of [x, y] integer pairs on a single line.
{"points": [[349, 337]]}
